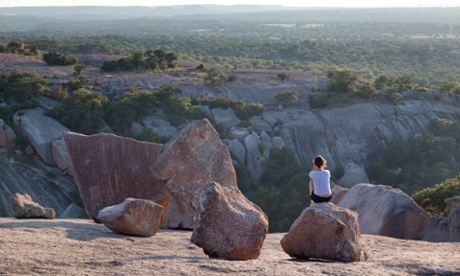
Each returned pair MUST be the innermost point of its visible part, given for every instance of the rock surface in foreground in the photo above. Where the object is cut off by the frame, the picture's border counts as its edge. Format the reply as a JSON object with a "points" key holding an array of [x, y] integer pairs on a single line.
{"points": [[228, 225], [24, 207], [384, 210], [134, 217], [194, 157], [108, 169], [325, 231]]}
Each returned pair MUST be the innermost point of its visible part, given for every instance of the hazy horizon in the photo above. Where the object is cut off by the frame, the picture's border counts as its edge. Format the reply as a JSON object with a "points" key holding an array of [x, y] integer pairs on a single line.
{"points": [[286, 3]]}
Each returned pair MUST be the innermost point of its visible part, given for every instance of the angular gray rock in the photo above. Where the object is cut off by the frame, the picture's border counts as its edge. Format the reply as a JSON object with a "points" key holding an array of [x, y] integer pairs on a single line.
{"points": [[24, 207], [40, 131], [253, 156], [385, 211], [325, 231], [7, 135], [73, 211], [353, 175], [60, 156], [237, 133], [194, 157], [237, 151], [278, 142], [453, 219], [225, 117], [161, 126], [229, 226], [133, 217]]}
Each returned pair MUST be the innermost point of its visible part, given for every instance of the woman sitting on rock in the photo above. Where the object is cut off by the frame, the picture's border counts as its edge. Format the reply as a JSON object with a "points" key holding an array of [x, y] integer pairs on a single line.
{"points": [[320, 187]]}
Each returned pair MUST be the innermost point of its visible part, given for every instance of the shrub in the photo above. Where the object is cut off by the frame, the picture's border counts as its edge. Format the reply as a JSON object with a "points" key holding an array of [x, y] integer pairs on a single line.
{"points": [[393, 96], [317, 100], [432, 199], [254, 109], [55, 58], [286, 98], [148, 135]]}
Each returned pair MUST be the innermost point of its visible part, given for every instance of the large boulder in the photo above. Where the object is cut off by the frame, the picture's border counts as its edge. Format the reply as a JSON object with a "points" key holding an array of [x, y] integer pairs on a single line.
{"points": [[385, 211], [325, 231], [353, 175], [24, 207], [40, 131], [60, 156], [228, 225], [194, 157], [441, 229], [254, 156], [73, 211], [133, 217], [237, 151], [453, 219], [7, 135], [108, 169], [225, 117]]}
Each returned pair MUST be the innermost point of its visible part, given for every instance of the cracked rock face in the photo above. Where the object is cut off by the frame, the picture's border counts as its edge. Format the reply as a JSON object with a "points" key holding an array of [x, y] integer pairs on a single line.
{"points": [[108, 169]]}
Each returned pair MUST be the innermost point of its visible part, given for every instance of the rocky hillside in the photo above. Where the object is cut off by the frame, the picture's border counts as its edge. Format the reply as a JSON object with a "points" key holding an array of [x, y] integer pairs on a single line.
{"points": [[345, 135]]}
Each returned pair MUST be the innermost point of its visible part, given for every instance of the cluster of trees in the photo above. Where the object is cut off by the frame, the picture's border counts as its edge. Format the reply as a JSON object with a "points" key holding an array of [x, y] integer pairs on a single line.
{"points": [[393, 42], [89, 112], [432, 199], [18, 47], [152, 60], [55, 58], [422, 162], [283, 189], [20, 90], [215, 77]]}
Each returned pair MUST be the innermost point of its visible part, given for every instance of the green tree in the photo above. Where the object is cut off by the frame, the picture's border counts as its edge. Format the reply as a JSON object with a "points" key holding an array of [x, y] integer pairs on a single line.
{"points": [[129, 108], [432, 199], [403, 83], [170, 59], [55, 58], [215, 77], [283, 189], [80, 67], [22, 87], [82, 112], [341, 81], [136, 58], [317, 100], [382, 81], [148, 135], [283, 76], [286, 98], [367, 91]]}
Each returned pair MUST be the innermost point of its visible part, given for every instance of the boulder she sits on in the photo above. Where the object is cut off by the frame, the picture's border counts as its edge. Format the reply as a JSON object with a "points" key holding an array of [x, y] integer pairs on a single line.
{"points": [[325, 231]]}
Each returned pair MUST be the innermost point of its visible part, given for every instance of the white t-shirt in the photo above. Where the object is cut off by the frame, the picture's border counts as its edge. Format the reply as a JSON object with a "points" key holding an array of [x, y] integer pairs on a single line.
{"points": [[321, 183]]}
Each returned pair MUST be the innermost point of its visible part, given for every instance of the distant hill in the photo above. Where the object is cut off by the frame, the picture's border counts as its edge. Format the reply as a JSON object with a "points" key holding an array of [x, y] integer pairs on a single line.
{"points": [[111, 13]]}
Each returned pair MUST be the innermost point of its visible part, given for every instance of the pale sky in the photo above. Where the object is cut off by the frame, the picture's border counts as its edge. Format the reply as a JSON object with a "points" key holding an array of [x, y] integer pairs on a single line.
{"points": [[287, 3]]}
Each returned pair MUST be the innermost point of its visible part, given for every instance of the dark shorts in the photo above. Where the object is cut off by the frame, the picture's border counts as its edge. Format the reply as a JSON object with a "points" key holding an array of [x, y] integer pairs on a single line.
{"points": [[318, 199]]}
